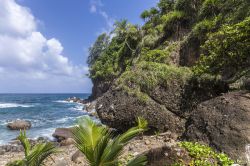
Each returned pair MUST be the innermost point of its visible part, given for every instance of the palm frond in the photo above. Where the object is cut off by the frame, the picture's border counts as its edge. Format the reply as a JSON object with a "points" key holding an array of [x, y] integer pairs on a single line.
{"points": [[39, 153], [24, 141], [134, 131], [96, 143], [90, 138], [138, 161]]}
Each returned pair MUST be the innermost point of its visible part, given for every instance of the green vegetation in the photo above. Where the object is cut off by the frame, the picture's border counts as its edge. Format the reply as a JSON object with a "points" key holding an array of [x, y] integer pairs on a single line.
{"points": [[227, 51], [34, 156], [99, 145], [218, 32], [147, 75], [203, 155]]}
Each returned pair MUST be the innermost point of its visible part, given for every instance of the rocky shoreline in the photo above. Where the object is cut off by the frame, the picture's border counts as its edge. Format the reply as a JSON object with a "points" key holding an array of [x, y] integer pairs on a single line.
{"points": [[160, 148], [158, 144]]}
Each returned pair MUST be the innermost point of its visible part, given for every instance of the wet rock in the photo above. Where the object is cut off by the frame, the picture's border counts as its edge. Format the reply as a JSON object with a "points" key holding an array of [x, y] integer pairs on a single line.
{"points": [[19, 125]]}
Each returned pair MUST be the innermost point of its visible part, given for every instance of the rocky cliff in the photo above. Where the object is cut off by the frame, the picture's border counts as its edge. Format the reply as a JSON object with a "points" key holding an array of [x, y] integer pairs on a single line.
{"points": [[184, 71]]}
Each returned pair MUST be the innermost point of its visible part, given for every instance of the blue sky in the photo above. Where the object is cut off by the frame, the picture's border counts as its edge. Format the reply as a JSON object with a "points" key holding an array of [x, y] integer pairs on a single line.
{"points": [[44, 43]]}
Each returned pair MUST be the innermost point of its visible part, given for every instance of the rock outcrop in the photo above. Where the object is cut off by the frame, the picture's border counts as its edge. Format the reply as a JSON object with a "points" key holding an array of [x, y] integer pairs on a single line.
{"points": [[166, 107], [19, 125], [62, 134], [223, 123], [119, 110]]}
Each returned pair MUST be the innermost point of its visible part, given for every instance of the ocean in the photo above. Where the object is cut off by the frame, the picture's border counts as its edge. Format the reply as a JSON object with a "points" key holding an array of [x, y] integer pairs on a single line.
{"points": [[45, 112]]}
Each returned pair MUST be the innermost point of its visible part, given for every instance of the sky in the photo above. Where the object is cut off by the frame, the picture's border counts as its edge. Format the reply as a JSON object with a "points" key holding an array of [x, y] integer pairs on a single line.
{"points": [[44, 43]]}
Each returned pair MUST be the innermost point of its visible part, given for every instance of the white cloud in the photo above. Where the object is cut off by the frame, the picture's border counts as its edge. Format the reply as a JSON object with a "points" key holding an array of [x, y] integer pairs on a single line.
{"points": [[28, 57], [93, 9], [96, 7]]}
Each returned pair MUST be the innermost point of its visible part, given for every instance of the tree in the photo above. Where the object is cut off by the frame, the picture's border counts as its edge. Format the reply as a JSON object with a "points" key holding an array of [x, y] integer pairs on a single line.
{"points": [[166, 6], [97, 49], [34, 156], [99, 145]]}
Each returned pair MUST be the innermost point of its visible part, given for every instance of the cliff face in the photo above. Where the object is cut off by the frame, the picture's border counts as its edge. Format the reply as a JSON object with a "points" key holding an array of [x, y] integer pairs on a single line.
{"points": [[172, 70]]}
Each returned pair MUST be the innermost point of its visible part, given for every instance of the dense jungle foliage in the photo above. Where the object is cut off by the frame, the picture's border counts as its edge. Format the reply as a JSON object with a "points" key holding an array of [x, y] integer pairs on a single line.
{"points": [[214, 35]]}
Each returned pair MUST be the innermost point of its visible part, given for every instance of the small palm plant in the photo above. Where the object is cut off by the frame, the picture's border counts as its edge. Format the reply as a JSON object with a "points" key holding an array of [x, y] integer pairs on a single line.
{"points": [[99, 146], [34, 156]]}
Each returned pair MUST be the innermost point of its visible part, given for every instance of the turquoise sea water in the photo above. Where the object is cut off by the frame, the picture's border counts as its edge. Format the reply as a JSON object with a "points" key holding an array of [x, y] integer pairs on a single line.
{"points": [[45, 111]]}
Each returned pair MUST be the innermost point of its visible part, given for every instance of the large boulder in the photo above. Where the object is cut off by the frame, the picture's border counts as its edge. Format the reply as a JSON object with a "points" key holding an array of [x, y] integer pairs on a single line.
{"points": [[223, 123], [119, 110], [165, 106], [19, 125]]}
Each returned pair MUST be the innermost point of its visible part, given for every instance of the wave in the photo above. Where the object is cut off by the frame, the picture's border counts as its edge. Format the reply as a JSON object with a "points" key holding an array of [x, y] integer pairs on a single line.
{"points": [[62, 101], [46, 133], [77, 108], [63, 120], [14, 105]]}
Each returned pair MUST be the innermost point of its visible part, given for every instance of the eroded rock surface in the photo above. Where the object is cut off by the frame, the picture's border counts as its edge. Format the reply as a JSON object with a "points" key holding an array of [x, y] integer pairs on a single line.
{"points": [[223, 123]]}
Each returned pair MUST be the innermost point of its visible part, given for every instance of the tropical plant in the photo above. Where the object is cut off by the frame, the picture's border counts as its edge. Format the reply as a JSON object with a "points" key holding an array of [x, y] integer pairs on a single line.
{"points": [[99, 145], [34, 156]]}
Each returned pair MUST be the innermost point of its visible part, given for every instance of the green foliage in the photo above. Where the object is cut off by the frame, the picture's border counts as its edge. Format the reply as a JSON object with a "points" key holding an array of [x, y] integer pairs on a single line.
{"points": [[214, 31], [119, 53], [226, 49], [203, 155], [209, 9], [96, 142], [165, 6], [171, 17], [147, 75], [34, 156], [203, 27], [159, 56]]}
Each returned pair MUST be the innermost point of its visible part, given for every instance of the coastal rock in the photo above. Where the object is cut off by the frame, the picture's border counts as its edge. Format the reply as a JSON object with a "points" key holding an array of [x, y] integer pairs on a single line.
{"points": [[166, 155], [19, 125], [90, 107], [166, 107], [223, 123], [119, 110], [76, 100], [62, 134]]}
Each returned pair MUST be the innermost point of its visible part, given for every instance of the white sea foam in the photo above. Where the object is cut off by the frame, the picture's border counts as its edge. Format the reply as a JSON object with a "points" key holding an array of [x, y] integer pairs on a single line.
{"points": [[47, 133], [14, 105], [78, 107], [63, 101], [63, 120]]}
